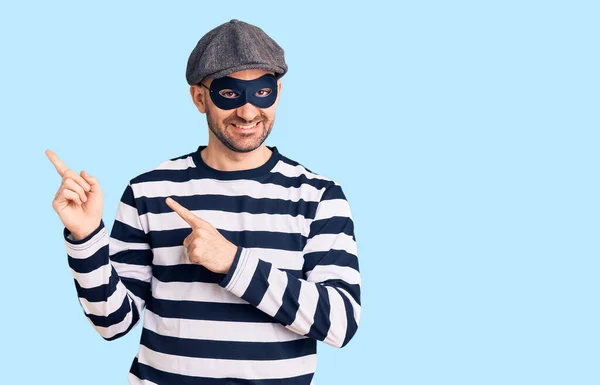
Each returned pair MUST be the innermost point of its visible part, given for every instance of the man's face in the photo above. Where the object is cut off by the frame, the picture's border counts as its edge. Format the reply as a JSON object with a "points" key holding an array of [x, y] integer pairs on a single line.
{"points": [[224, 124]]}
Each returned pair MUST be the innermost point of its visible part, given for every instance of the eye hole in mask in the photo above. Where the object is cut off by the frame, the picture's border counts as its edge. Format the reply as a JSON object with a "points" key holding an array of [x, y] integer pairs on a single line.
{"points": [[228, 93]]}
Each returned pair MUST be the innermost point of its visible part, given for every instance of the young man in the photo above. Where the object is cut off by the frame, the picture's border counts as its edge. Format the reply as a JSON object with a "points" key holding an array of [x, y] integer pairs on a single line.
{"points": [[241, 258]]}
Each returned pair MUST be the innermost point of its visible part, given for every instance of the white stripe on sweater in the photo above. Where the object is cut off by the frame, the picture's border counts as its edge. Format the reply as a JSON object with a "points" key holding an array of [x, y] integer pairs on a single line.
{"points": [[218, 330], [220, 368]]}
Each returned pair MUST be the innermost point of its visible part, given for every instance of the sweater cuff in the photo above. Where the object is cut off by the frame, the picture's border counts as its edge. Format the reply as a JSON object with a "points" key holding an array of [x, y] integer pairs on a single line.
{"points": [[227, 277], [240, 274], [81, 246]]}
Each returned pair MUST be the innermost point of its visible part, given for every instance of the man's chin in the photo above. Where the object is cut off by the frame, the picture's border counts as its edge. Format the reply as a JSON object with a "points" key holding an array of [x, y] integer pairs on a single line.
{"points": [[240, 143], [240, 146]]}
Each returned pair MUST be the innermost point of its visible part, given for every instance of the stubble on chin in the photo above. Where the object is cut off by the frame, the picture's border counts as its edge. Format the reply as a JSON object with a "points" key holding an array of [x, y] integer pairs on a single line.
{"points": [[230, 142]]}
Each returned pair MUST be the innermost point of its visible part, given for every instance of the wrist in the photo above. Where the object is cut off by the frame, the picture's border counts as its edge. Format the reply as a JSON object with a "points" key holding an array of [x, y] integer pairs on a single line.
{"points": [[77, 235]]}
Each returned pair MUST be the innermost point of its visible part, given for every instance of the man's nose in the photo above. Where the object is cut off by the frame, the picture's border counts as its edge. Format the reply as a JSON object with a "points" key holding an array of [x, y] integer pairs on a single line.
{"points": [[248, 112]]}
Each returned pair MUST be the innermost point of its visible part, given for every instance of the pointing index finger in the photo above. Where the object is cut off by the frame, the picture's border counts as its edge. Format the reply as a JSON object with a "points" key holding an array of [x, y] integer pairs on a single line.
{"points": [[58, 164], [184, 213]]}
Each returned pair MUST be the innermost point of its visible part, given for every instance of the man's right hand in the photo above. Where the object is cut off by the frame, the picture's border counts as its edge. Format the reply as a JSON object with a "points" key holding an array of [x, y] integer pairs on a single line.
{"points": [[79, 199]]}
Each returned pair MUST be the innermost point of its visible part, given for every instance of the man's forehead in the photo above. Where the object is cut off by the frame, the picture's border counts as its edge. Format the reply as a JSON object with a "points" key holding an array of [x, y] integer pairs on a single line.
{"points": [[249, 74]]}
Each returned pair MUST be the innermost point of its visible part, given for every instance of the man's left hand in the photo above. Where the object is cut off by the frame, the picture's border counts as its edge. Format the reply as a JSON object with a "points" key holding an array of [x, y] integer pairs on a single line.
{"points": [[205, 245]]}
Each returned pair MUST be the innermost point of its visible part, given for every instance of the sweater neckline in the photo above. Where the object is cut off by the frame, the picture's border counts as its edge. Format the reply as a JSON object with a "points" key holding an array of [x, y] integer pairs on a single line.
{"points": [[252, 173]]}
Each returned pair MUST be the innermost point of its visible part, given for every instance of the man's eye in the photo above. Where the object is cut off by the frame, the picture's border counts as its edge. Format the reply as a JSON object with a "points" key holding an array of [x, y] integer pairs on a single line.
{"points": [[264, 92], [229, 94]]}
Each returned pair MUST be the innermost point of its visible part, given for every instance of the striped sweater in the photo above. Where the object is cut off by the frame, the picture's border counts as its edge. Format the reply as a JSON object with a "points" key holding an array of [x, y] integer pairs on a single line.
{"points": [[294, 281]]}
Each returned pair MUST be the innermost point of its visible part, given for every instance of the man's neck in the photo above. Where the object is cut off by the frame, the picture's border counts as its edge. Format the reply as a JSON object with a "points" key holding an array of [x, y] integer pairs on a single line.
{"points": [[223, 159]]}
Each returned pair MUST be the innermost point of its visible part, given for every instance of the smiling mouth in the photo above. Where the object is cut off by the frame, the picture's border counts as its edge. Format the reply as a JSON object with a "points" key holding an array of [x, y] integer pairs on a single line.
{"points": [[245, 126]]}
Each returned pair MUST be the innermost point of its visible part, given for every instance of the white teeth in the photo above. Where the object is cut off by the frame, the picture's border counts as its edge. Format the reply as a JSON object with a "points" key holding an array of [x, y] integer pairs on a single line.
{"points": [[246, 126]]}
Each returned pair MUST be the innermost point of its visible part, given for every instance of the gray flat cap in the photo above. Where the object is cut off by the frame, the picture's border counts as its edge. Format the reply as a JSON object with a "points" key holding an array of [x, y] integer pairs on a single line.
{"points": [[234, 46]]}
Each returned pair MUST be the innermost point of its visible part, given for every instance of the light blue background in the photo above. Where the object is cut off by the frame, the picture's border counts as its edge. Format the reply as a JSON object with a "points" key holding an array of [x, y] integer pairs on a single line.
{"points": [[465, 136]]}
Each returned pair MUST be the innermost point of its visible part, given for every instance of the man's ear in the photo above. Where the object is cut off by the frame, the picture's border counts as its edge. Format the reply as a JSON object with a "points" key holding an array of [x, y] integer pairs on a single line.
{"points": [[197, 94]]}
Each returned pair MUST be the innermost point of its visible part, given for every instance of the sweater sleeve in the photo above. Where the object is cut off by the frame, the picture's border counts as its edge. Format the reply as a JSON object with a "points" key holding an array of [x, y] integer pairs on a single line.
{"points": [[112, 273], [324, 306]]}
